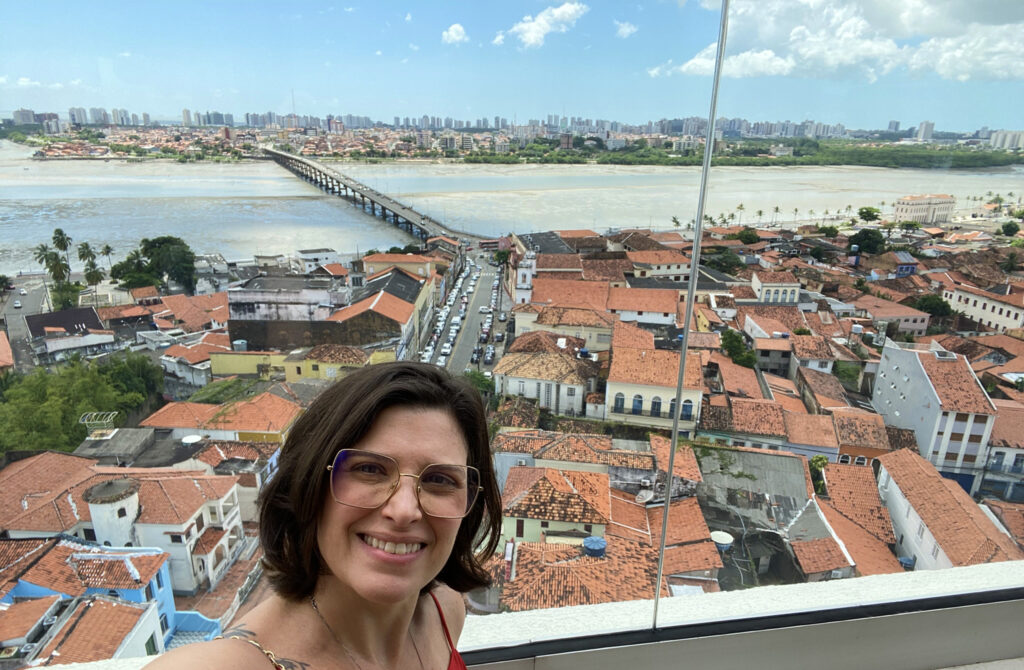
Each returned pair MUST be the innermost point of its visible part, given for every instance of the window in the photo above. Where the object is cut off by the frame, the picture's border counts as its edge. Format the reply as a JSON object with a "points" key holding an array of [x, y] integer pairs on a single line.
{"points": [[935, 549], [920, 530], [656, 406], [860, 460], [587, 528], [570, 391], [522, 388], [176, 539], [163, 623], [543, 524], [687, 410], [844, 459], [200, 523], [159, 580], [638, 404], [520, 528], [151, 647], [89, 534], [620, 402], [150, 591], [316, 367]]}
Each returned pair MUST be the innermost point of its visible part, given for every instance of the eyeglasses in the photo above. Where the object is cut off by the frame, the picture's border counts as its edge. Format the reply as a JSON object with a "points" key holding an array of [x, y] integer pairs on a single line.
{"points": [[367, 480]]}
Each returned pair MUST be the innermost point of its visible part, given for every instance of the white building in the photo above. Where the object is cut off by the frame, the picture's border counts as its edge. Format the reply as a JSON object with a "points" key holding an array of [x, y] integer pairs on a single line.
{"points": [[936, 394], [525, 271], [1007, 139], [925, 130], [642, 389], [925, 209], [937, 524], [559, 382], [311, 259], [775, 287], [992, 310]]}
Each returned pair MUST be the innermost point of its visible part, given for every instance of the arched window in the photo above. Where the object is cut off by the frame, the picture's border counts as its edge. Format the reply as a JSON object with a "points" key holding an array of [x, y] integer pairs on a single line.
{"points": [[687, 410], [620, 402], [860, 460], [672, 408], [656, 406], [775, 295], [638, 404], [845, 459]]}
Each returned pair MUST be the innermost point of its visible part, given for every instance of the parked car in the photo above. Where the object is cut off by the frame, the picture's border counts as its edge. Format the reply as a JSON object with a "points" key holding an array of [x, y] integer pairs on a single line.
{"points": [[22, 292], [446, 349], [484, 309], [483, 336], [499, 336], [17, 304], [503, 317], [489, 358], [475, 358], [442, 361]]}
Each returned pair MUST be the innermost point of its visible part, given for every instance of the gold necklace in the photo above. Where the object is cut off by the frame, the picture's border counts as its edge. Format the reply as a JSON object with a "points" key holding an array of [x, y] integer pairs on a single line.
{"points": [[344, 647]]}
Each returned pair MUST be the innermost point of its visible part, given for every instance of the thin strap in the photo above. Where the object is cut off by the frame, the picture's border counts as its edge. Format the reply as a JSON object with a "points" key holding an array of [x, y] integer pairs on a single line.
{"points": [[444, 625], [266, 652]]}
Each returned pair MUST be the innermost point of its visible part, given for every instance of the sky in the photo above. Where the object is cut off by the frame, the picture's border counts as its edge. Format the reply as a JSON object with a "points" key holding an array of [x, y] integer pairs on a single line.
{"points": [[862, 63]]}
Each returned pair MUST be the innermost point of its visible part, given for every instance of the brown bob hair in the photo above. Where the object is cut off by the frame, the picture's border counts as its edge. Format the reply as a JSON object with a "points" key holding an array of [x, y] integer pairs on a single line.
{"points": [[291, 502]]}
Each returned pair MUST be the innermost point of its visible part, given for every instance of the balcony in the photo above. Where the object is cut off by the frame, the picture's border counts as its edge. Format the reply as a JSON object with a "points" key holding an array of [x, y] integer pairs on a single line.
{"points": [[661, 414], [998, 468]]}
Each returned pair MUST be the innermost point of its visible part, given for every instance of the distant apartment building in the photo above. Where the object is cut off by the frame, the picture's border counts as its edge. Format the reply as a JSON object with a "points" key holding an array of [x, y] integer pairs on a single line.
{"points": [[925, 209], [24, 117], [936, 394], [998, 311], [1007, 139], [311, 259], [925, 130]]}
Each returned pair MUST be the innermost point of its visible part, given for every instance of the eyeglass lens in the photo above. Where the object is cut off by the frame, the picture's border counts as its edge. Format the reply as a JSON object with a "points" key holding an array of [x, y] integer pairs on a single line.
{"points": [[366, 479]]}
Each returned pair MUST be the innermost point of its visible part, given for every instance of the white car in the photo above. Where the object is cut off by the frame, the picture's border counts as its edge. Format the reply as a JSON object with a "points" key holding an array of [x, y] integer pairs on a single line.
{"points": [[22, 292], [446, 349], [442, 361]]}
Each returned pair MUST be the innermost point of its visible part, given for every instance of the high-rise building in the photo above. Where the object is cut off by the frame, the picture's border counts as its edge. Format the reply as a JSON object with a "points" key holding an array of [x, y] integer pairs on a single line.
{"points": [[24, 117], [99, 116], [894, 126], [145, 118], [135, 119], [924, 131], [197, 118], [186, 118], [77, 117]]}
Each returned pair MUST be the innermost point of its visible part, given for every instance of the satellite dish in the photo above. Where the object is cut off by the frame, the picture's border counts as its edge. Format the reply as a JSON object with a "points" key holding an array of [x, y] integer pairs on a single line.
{"points": [[189, 440]]}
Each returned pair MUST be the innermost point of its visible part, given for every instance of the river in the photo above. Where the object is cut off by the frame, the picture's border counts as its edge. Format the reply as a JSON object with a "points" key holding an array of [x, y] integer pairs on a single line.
{"points": [[239, 209]]}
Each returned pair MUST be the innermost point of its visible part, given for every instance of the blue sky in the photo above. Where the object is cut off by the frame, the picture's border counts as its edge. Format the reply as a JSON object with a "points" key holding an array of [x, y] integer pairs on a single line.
{"points": [[959, 63]]}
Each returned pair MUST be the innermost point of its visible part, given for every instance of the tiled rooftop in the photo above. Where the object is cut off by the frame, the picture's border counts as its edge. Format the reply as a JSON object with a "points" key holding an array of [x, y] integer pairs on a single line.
{"points": [[557, 495], [546, 341], [811, 429], [956, 385], [959, 526], [569, 293], [94, 631], [820, 555], [564, 368], [338, 353], [870, 555], [852, 491], [654, 367], [685, 464], [571, 316]]}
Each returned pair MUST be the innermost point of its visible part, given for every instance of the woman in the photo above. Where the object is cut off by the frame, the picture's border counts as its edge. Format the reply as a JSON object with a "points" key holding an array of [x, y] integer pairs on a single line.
{"points": [[368, 530]]}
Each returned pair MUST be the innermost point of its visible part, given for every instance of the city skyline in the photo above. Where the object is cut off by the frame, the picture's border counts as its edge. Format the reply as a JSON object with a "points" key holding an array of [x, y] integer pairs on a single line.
{"points": [[848, 61]]}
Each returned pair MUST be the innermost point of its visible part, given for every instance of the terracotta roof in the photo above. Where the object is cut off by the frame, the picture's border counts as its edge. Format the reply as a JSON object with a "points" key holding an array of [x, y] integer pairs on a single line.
{"points": [[95, 630], [576, 275], [570, 316], [698, 340], [789, 316], [776, 277], [576, 232], [517, 412], [547, 341], [606, 269], [758, 417], [335, 269], [20, 618], [852, 491], [810, 429], [561, 367], [821, 555], [123, 312], [71, 568], [784, 392], [193, 354], [811, 347], [181, 415], [34, 482], [1008, 430], [656, 257], [954, 382], [737, 380], [654, 367], [1011, 515], [628, 335], [556, 495], [219, 451], [569, 293], [861, 429], [653, 300], [571, 447], [144, 292], [773, 344], [870, 555], [193, 313], [382, 303], [827, 389], [959, 526], [338, 353], [392, 259], [558, 575], [558, 261], [685, 465], [880, 308], [6, 353], [901, 438]]}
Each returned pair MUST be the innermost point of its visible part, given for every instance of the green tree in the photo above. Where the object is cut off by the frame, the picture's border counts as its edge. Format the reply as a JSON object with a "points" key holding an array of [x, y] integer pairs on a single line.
{"points": [[724, 261], [1010, 228], [86, 253], [934, 305], [62, 242], [93, 276], [908, 226], [675, 221], [736, 348], [828, 231], [869, 241], [107, 251], [869, 213], [746, 236], [501, 256], [481, 382], [171, 257], [1011, 263]]}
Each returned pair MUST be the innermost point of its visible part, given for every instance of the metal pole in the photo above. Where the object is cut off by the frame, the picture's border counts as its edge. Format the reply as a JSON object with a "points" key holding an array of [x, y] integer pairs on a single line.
{"points": [[691, 290]]}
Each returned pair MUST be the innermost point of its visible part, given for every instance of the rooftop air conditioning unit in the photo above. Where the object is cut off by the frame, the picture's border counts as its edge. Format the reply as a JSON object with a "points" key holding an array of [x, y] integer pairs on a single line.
{"points": [[49, 621], [521, 461], [29, 648], [646, 483]]}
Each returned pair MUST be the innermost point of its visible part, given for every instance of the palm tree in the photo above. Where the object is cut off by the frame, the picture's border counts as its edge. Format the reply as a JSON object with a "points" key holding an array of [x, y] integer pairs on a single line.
{"points": [[62, 241], [41, 252], [675, 221], [796, 210], [760, 214], [810, 213], [740, 208], [86, 253], [107, 251], [58, 267], [93, 276], [775, 213]]}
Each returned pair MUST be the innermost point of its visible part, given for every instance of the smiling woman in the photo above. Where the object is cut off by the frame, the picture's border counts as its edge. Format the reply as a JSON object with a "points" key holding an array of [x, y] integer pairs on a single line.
{"points": [[384, 505]]}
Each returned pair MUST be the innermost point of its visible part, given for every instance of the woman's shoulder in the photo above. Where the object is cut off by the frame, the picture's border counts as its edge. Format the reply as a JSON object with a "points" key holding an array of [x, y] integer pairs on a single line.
{"points": [[226, 653], [453, 607]]}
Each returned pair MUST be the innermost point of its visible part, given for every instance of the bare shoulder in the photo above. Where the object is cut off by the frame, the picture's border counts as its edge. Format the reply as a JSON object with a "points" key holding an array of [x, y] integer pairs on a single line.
{"points": [[454, 608], [226, 653]]}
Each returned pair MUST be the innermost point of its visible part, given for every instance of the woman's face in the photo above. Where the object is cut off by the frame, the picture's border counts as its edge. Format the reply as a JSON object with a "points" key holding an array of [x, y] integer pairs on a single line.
{"points": [[354, 541]]}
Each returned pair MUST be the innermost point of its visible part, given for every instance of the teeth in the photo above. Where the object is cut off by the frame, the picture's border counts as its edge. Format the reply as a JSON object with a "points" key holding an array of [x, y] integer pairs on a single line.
{"points": [[391, 547]]}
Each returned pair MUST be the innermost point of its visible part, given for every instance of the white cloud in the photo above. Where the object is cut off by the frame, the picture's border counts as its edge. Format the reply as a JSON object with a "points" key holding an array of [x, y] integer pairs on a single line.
{"points": [[404, 61], [455, 34], [624, 29], [408, 17], [659, 70], [413, 47], [350, 9], [866, 39], [499, 39], [3, 80], [56, 85], [75, 82], [377, 52], [531, 31], [125, 54], [25, 82]]}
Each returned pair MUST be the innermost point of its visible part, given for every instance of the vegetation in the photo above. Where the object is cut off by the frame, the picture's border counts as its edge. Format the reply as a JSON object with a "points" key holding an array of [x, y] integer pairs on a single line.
{"points": [[41, 410], [869, 213], [156, 259], [869, 241], [1010, 228], [828, 231], [723, 261], [226, 390], [482, 383], [933, 304], [746, 236], [736, 348]]}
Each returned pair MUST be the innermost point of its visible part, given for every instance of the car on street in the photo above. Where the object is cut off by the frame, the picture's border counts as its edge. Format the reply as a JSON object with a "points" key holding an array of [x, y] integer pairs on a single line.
{"points": [[484, 309], [446, 349], [22, 292], [503, 317], [442, 361], [488, 358], [499, 336], [475, 358], [483, 336], [17, 304]]}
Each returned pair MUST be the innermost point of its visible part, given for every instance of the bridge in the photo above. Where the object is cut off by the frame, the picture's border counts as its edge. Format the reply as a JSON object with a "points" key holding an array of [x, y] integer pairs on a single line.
{"points": [[405, 218]]}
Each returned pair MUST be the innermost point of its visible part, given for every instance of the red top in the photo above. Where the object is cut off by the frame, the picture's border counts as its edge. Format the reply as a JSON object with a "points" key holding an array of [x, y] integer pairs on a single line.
{"points": [[455, 661]]}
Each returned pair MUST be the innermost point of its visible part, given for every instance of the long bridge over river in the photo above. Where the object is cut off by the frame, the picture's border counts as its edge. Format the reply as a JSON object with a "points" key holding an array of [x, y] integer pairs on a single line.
{"points": [[330, 180]]}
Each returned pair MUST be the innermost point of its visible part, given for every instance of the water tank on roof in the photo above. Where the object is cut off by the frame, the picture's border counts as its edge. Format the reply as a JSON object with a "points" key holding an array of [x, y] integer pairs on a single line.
{"points": [[722, 540], [594, 546], [240, 345], [584, 353], [857, 329], [190, 440], [776, 335]]}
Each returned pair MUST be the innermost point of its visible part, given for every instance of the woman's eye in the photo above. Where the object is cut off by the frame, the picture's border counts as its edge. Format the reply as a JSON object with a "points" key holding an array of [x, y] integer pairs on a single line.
{"points": [[368, 469]]}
